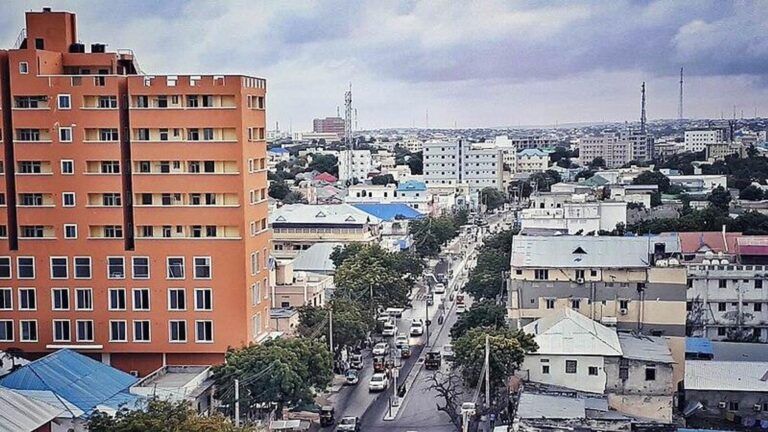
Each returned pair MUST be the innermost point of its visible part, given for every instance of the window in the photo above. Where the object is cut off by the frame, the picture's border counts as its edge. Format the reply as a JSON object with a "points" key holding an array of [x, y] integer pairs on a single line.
{"points": [[177, 299], [204, 331], [650, 373], [192, 101], [117, 331], [550, 303], [177, 331], [175, 268], [5, 267], [65, 101], [6, 299], [6, 331], [84, 330], [721, 331], [110, 199], [107, 102], [28, 331], [203, 299], [108, 135], [61, 331], [545, 369], [113, 231], [570, 366], [722, 283], [67, 167], [59, 268], [143, 134], [82, 267], [202, 267], [733, 406], [758, 307], [30, 167], [25, 267], [208, 134], [23, 68], [141, 331], [140, 267], [70, 231], [110, 167], [83, 299], [575, 303], [623, 304], [60, 299], [592, 370], [254, 263], [541, 274], [256, 293], [721, 307], [65, 134], [117, 299], [758, 283], [68, 199], [141, 299], [115, 267], [580, 274]]}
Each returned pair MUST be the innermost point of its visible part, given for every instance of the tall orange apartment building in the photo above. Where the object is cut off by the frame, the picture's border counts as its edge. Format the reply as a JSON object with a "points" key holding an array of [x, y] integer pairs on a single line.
{"points": [[133, 218]]}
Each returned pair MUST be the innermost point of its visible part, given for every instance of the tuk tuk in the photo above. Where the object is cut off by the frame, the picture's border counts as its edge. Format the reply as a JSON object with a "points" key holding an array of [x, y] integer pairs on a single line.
{"points": [[379, 365], [405, 351], [351, 377], [433, 360], [327, 416]]}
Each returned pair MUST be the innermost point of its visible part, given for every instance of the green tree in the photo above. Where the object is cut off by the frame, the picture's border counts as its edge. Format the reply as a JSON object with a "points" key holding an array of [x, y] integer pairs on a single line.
{"points": [[161, 416], [416, 164], [492, 198], [383, 179], [485, 314], [751, 193], [486, 279], [294, 197], [653, 178], [351, 323], [720, 198], [596, 163], [278, 190], [342, 252], [507, 352], [286, 372], [430, 233], [460, 217], [545, 180], [324, 163]]}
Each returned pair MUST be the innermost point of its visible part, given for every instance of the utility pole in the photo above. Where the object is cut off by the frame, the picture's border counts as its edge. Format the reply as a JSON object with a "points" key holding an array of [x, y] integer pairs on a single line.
{"points": [[680, 102], [426, 320], [642, 109], [237, 403], [330, 328], [487, 371]]}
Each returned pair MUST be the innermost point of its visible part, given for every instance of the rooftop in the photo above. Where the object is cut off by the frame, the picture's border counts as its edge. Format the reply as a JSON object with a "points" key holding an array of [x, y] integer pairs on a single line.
{"points": [[412, 186], [533, 406], [532, 153], [569, 332], [317, 258], [22, 413], [276, 313], [389, 212], [340, 214], [645, 348], [726, 375], [580, 251], [715, 241], [171, 377]]}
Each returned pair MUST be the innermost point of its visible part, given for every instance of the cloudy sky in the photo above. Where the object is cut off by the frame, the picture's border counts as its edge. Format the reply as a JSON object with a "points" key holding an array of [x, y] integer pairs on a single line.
{"points": [[469, 63]]}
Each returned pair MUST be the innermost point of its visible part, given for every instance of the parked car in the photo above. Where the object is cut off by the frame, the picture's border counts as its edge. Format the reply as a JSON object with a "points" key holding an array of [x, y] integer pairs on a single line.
{"points": [[327, 415], [460, 308], [439, 288], [349, 424], [433, 360], [381, 349], [378, 382], [447, 352], [417, 328]]}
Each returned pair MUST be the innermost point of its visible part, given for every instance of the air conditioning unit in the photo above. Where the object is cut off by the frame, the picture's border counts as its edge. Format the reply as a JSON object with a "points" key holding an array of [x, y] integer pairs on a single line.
{"points": [[134, 373], [623, 311], [757, 407], [580, 281], [721, 405]]}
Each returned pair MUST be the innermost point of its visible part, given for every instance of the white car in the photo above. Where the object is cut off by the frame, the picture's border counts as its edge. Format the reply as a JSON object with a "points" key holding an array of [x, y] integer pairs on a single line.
{"points": [[460, 308], [378, 382], [401, 340], [417, 328], [439, 288], [389, 330], [381, 348]]}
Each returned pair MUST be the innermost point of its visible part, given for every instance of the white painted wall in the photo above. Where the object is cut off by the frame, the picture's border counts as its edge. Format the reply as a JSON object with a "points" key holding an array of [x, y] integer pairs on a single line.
{"points": [[581, 380]]}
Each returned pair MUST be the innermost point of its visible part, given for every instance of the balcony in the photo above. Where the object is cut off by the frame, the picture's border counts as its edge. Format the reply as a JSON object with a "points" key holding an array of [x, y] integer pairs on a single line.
{"points": [[186, 167], [31, 103], [24, 168], [35, 200], [102, 135], [185, 135], [32, 136], [36, 232], [100, 103], [183, 102], [111, 168], [186, 200], [104, 200], [187, 232], [108, 232]]}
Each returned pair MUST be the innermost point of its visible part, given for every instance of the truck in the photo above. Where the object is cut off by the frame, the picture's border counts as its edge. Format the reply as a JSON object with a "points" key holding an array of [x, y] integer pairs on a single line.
{"points": [[433, 360]]}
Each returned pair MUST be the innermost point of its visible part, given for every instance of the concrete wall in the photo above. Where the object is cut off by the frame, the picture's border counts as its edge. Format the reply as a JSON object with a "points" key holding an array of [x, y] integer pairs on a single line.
{"points": [[711, 399], [581, 380], [654, 407]]}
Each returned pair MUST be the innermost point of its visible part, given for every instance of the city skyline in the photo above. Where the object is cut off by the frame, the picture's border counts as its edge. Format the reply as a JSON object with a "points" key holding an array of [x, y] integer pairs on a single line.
{"points": [[484, 64]]}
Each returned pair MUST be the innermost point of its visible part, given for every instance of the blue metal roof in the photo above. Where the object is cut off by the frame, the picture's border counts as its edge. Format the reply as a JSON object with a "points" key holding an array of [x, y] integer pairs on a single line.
{"points": [[279, 150], [79, 379], [694, 345], [412, 185], [389, 212]]}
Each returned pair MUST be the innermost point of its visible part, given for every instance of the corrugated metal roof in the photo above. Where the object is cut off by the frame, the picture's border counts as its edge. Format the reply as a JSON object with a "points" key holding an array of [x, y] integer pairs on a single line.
{"points": [[77, 378], [19, 413], [569, 332], [694, 345], [534, 406], [390, 212], [316, 258], [412, 186], [49, 397], [646, 348], [725, 375], [598, 252], [740, 351], [339, 214]]}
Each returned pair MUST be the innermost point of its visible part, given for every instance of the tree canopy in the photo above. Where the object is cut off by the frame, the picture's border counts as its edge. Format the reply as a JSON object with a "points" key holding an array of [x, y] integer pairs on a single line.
{"points": [[278, 190], [351, 323], [545, 180], [653, 178], [507, 351], [430, 233], [294, 197], [751, 193], [485, 280], [161, 416], [485, 314], [492, 198], [720, 198], [384, 179], [324, 163]]}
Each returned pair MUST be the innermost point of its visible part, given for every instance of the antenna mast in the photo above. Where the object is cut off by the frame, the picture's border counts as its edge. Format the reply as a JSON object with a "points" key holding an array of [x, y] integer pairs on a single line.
{"points": [[348, 117], [642, 111], [680, 102]]}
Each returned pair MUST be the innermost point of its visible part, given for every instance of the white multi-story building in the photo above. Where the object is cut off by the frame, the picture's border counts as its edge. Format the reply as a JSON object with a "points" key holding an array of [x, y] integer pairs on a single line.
{"points": [[452, 163], [354, 164], [531, 161], [697, 140], [616, 148], [412, 144], [572, 213]]}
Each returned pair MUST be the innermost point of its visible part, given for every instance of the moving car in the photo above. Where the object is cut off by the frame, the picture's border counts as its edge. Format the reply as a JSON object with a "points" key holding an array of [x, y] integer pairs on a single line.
{"points": [[381, 349], [401, 340], [395, 312], [417, 327], [327, 416], [351, 377], [349, 424], [389, 328], [447, 352], [405, 351], [433, 360], [356, 361], [378, 382], [460, 308], [439, 288]]}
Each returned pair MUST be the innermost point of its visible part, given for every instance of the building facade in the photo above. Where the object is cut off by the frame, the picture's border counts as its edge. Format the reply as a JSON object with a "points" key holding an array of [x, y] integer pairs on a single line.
{"points": [[334, 125], [135, 220], [451, 163], [697, 140], [354, 165], [531, 161], [616, 148]]}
